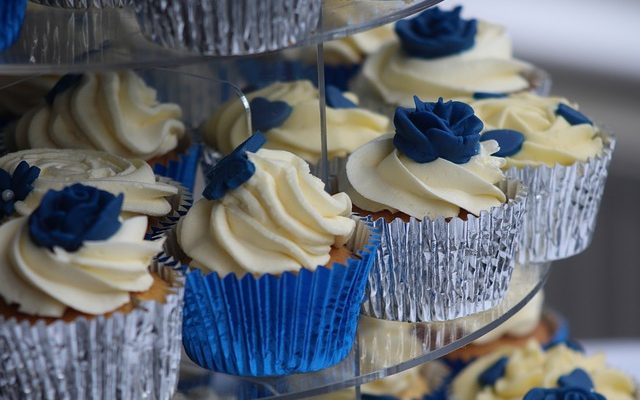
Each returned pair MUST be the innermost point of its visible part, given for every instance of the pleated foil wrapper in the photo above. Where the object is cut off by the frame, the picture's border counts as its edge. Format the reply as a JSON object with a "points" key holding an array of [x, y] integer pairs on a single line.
{"points": [[275, 325], [438, 270], [125, 356], [180, 205], [539, 80], [84, 3], [227, 27], [562, 206], [210, 158]]}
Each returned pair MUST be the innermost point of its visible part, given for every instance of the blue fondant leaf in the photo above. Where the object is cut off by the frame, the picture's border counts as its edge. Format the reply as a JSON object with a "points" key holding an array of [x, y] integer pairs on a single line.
{"points": [[335, 98], [496, 371], [510, 141], [573, 116], [487, 95], [266, 114]]}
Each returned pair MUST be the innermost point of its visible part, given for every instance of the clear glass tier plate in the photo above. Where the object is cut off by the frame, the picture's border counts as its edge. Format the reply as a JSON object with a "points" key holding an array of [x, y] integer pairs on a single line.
{"points": [[56, 40], [383, 348]]}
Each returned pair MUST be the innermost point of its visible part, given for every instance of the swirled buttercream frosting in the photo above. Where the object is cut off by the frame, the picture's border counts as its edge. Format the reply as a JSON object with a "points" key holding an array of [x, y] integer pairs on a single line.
{"points": [[116, 112], [297, 128], [95, 279], [417, 63], [516, 371], [551, 135], [60, 168], [280, 219]]}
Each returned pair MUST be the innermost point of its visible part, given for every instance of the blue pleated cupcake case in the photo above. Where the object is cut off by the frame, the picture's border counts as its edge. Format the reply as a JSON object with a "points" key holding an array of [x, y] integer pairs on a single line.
{"points": [[276, 325], [11, 18]]}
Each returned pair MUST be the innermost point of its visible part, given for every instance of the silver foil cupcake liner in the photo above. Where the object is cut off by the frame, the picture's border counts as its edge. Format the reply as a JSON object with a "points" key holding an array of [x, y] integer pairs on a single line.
{"points": [[124, 356], [84, 3], [227, 27], [539, 80], [439, 270], [562, 207], [180, 205]]}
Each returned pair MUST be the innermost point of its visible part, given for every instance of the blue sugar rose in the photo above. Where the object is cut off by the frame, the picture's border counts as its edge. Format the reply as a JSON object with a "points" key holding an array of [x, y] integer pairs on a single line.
{"points": [[69, 217], [436, 33], [437, 130], [233, 170], [16, 187]]}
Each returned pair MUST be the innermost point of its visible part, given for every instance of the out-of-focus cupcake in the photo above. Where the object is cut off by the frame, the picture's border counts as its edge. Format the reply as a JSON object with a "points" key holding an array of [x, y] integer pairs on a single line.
{"points": [[115, 112], [276, 268], [440, 54], [438, 195], [535, 373], [11, 19], [288, 114], [81, 299], [563, 157], [19, 94], [163, 200]]}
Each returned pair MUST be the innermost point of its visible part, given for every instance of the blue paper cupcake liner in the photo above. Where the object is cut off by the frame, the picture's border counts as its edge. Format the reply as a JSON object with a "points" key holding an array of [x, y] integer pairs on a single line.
{"points": [[11, 19], [276, 325], [183, 169]]}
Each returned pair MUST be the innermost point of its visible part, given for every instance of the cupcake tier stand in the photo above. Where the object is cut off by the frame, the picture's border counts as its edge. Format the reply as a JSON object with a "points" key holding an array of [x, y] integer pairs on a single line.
{"points": [[55, 40]]}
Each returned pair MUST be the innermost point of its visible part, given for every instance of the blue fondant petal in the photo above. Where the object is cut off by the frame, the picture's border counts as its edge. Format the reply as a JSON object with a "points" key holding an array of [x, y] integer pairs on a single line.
{"points": [[266, 114], [577, 378], [573, 116], [510, 141], [490, 376], [335, 99]]}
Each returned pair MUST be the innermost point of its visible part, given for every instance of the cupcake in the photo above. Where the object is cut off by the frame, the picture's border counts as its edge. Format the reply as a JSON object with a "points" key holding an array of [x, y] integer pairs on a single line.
{"points": [[11, 19], [81, 299], [288, 114], [440, 54], [144, 193], [535, 373], [531, 322], [276, 268], [115, 112], [563, 157], [20, 94], [449, 219]]}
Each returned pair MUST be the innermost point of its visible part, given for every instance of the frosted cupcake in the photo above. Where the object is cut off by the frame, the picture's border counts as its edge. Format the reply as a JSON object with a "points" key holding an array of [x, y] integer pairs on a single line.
{"points": [[440, 54], [563, 157], [115, 112], [288, 114], [144, 193], [439, 195], [81, 299], [535, 373], [276, 267]]}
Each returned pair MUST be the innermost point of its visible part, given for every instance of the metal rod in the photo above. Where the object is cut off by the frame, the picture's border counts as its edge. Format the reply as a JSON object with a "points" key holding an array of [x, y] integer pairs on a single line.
{"points": [[324, 166]]}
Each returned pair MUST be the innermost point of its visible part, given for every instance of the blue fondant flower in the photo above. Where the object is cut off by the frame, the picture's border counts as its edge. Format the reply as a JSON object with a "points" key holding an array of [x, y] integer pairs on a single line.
{"points": [[233, 170], [336, 99], [16, 187], [65, 83], [496, 371], [574, 386], [73, 215], [430, 130], [436, 33], [267, 114]]}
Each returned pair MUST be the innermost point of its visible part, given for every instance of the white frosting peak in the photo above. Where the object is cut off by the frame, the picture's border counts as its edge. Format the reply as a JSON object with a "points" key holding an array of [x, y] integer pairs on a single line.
{"points": [[281, 219], [96, 279]]}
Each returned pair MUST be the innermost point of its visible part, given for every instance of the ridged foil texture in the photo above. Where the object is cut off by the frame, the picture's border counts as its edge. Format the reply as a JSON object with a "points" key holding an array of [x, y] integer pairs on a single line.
{"points": [[434, 270], [539, 80], [562, 206], [125, 356], [274, 325], [227, 27], [84, 3], [180, 205]]}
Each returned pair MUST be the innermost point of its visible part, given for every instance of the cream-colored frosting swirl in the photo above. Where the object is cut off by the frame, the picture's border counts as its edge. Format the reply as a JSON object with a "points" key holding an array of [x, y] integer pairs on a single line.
{"points": [[379, 177], [95, 279], [521, 324], [114, 112], [281, 219], [531, 367], [486, 67], [19, 94], [549, 138], [347, 128], [61, 168]]}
